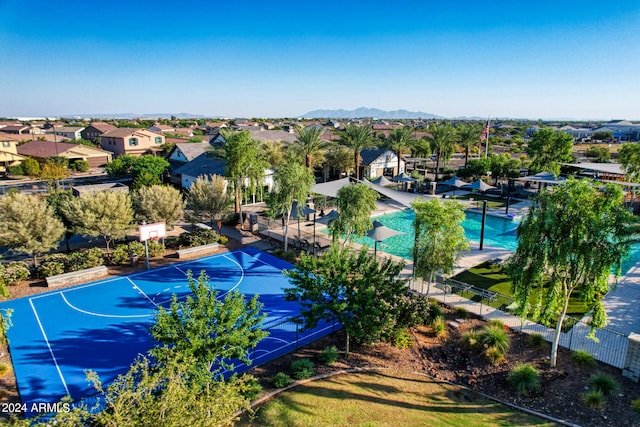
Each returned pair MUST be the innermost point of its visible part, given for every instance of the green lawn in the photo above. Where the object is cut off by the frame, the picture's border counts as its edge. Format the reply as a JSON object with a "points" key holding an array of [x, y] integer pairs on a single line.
{"points": [[384, 399], [495, 279]]}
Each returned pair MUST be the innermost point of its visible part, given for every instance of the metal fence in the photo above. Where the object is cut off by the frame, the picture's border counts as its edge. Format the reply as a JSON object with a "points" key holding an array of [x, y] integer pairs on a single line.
{"points": [[609, 346]]}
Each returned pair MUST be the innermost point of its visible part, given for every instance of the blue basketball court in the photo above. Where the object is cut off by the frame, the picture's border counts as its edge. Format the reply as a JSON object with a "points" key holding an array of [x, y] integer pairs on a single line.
{"points": [[104, 325]]}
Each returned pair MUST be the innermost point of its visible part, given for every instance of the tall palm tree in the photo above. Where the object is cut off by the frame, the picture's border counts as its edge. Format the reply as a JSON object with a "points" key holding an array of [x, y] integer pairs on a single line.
{"points": [[442, 141], [357, 138], [468, 136], [274, 152], [400, 141], [309, 144]]}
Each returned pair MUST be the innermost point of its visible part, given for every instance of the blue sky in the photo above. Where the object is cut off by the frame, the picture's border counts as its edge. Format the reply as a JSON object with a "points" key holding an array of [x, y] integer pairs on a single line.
{"points": [[542, 59]]}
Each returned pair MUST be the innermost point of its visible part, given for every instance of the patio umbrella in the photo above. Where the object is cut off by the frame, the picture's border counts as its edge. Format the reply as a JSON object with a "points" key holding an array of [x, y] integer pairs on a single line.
{"points": [[403, 177], [455, 182], [381, 180], [328, 217], [304, 210], [380, 232], [479, 185]]}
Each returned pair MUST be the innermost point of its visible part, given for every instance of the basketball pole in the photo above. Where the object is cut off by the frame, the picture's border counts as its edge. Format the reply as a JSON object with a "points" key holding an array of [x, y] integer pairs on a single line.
{"points": [[146, 254]]}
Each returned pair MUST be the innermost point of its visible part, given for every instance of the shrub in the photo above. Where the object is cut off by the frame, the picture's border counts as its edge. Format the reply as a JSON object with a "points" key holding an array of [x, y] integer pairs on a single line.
{"points": [[123, 252], [583, 358], [301, 369], [524, 379], [602, 383], [251, 388], [536, 341], [223, 240], [415, 309], [329, 355], [4, 369], [494, 355], [53, 264], [81, 165], [439, 328], [31, 167], [402, 339], [635, 405], [469, 339], [14, 272], [16, 170], [280, 380], [87, 258], [436, 310], [156, 248], [495, 323], [461, 313], [593, 399], [494, 336]]}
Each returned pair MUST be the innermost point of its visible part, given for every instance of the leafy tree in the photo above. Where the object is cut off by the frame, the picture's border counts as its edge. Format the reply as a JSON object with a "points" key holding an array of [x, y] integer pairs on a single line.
{"points": [[547, 149], [357, 138], [598, 154], [355, 204], [81, 141], [310, 145], [602, 135], [106, 214], [148, 170], [629, 158], [400, 140], [468, 136], [28, 224], [274, 151], [207, 198], [81, 165], [31, 167], [120, 166], [355, 289], [293, 182], [159, 203], [475, 168], [567, 245], [59, 201], [52, 172], [211, 331], [442, 140], [440, 238], [502, 165], [339, 158]]}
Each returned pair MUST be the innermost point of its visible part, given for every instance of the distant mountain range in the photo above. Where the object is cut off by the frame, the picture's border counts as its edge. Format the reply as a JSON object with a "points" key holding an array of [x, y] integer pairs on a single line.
{"points": [[363, 112], [131, 116]]}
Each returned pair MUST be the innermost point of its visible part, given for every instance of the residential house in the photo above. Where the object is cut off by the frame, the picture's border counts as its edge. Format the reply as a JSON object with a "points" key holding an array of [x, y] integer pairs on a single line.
{"points": [[94, 131], [184, 153], [157, 127], [21, 130], [68, 132], [132, 141], [9, 152], [380, 161], [41, 150], [202, 165]]}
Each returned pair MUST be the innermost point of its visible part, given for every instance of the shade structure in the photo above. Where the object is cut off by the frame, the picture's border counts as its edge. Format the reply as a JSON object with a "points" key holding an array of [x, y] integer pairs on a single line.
{"points": [[382, 180], [305, 210], [454, 181], [403, 177], [328, 217], [380, 232], [479, 185]]}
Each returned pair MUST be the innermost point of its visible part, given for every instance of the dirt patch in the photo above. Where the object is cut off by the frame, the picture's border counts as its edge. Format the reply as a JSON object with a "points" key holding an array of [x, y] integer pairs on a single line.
{"points": [[446, 359]]}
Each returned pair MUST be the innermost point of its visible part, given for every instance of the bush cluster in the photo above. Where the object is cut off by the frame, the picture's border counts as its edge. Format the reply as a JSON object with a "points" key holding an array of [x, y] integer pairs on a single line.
{"points": [[492, 340], [13, 273], [302, 369], [196, 238], [415, 310], [123, 252], [402, 339], [54, 264], [524, 379], [329, 355], [280, 380]]}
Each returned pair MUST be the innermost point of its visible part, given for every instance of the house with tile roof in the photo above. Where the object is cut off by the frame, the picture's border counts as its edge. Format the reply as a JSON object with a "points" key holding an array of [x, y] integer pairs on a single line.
{"points": [[132, 141], [379, 162], [68, 132], [95, 130], [9, 152], [41, 150]]}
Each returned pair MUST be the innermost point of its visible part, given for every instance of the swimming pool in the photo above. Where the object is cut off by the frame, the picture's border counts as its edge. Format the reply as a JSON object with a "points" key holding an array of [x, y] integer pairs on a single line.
{"points": [[499, 232]]}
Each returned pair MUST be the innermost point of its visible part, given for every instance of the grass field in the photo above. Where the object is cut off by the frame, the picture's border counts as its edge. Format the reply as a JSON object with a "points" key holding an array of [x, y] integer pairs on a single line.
{"points": [[385, 399], [495, 279]]}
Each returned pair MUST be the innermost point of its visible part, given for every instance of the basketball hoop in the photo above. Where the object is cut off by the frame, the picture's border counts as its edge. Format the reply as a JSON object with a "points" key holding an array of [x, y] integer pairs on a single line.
{"points": [[153, 231]]}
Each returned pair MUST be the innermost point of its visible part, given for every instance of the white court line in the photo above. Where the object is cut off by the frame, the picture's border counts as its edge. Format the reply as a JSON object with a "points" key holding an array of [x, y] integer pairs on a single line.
{"points": [[90, 313], [241, 273], [53, 356], [140, 290]]}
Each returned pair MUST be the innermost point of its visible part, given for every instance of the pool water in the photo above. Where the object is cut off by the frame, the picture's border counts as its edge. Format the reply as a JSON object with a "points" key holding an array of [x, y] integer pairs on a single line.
{"points": [[498, 232]]}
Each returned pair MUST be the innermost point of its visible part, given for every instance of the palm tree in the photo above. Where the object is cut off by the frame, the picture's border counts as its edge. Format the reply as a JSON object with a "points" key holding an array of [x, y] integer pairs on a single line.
{"points": [[274, 151], [400, 140], [442, 142], [468, 136], [309, 144], [357, 138]]}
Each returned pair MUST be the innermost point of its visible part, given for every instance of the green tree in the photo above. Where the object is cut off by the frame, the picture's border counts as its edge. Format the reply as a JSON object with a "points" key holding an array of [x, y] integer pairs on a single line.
{"points": [[442, 140], [211, 331], [339, 158], [120, 166], [53, 172], [148, 170], [598, 154], [106, 214], [59, 201], [502, 165], [547, 149], [31, 167], [400, 140], [355, 203], [293, 182], [439, 237], [310, 145], [567, 245], [357, 138], [354, 289], [468, 137], [475, 169], [159, 203], [602, 135], [207, 199], [629, 158], [28, 224], [274, 152]]}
